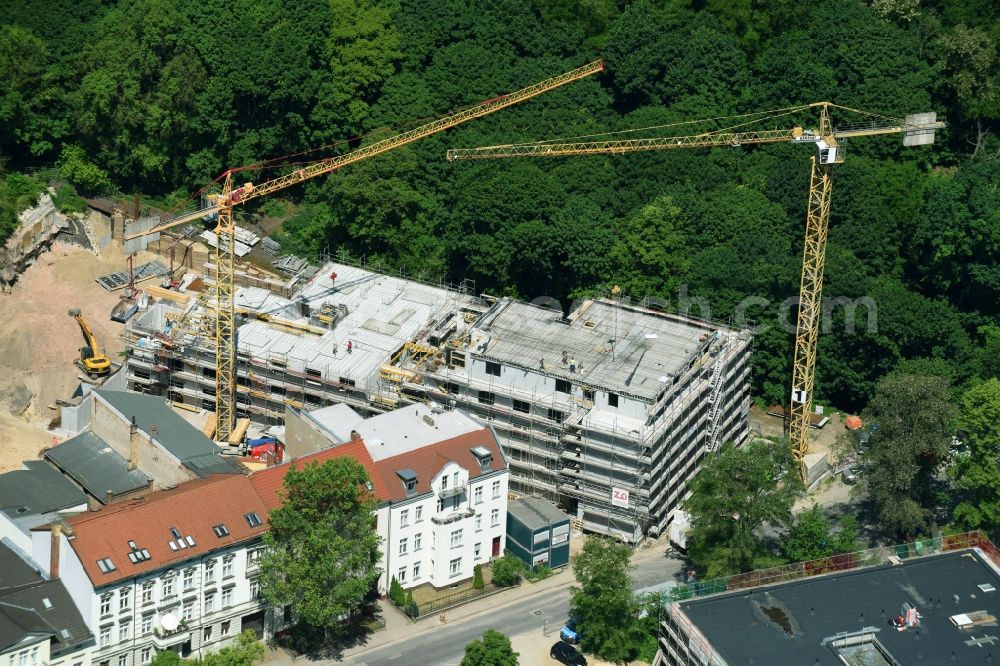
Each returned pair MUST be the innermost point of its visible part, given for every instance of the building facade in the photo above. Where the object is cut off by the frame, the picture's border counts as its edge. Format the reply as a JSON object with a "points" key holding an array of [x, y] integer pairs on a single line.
{"points": [[607, 411]]}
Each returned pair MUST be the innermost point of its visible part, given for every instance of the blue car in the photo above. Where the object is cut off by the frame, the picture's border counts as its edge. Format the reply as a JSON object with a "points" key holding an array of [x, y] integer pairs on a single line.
{"points": [[569, 632]]}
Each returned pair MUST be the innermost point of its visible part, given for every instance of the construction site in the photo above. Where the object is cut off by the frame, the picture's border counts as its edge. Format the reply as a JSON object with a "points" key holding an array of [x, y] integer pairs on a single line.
{"points": [[607, 410]]}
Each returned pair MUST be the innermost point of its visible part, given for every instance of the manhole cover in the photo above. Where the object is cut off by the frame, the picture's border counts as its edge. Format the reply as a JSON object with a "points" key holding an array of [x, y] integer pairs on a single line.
{"points": [[537, 612]]}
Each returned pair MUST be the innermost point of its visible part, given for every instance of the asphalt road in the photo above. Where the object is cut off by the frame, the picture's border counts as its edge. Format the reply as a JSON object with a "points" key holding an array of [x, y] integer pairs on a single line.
{"points": [[547, 611]]}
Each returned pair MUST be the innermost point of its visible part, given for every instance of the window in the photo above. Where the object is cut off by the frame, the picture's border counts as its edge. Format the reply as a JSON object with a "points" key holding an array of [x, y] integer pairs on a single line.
{"points": [[440, 507], [402, 546], [401, 575], [123, 660], [123, 631], [612, 399], [556, 415], [224, 629], [492, 368], [496, 490], [418, 514], [146, 655], [210, 602], [227, 566], [146, 628], [206, 634], [456, 538], [564, 386], [254, 589], [187, 611], [476, 549], [105, 636], [454, 479], [417, 538], [479, 521], [210, 571], [188, 579], [168, 587], [455, 501], [444, 482], [411, 486], [495, 517], [220, 530], [522, 406], [253, 520], [455, 567], [253, 557], [478, 494], [227, 598], [124, 598], [106, 603], [416, 571], [404, 517], [486, 397], [147, 592]]}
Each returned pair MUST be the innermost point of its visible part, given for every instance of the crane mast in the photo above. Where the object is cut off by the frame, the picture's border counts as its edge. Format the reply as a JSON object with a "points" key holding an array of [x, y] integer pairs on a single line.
{"points": [[221, 205], [917, 129]]}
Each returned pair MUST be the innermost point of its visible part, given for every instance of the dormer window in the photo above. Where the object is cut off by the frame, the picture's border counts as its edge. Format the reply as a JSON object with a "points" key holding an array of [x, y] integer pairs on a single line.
{"points": [[409, 480], [484, 457]]}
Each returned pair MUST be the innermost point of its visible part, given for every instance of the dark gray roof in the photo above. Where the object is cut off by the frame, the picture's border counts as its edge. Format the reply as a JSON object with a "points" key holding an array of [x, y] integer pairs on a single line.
{"points": [[16, 571], [37, 489], [535, 512], [185, 442], [741, 626], [91, 462], [42, 607]]}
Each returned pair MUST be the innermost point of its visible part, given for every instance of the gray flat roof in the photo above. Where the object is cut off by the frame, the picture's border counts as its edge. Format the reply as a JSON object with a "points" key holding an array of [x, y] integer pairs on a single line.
{"points": [[188, 444], [786, 623], [619, 348], [535, 512], [91, 462], [36, 490]]}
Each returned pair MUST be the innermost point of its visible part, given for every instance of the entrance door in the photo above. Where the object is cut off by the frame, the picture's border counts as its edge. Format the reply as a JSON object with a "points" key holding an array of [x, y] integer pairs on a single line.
{"points": [[496, 547]]}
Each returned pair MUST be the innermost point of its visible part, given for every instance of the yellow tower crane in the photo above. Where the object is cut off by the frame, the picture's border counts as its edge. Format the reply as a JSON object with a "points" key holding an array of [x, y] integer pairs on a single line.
{"points": [[221, 206], [917, 129]]}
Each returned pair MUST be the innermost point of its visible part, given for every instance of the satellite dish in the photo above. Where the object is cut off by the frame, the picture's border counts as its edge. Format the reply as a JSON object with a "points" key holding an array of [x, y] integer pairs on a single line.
{"points": [[169, 621]]}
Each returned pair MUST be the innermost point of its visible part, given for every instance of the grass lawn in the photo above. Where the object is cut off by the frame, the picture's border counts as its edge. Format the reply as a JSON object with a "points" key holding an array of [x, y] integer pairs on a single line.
{"points": [[426, 593]]}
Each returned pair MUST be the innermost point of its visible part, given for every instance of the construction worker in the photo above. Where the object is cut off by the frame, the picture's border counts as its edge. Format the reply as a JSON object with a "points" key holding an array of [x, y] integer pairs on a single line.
{"points": [[350, 346], [541, 364], [565, 358], [572, 365]]}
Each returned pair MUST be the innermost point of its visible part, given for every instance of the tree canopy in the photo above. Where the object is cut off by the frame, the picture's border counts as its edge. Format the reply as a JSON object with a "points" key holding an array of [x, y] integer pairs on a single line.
{"points": [[321, 553], [161, 96], [602, 602], [977, 469], [493, 649]]}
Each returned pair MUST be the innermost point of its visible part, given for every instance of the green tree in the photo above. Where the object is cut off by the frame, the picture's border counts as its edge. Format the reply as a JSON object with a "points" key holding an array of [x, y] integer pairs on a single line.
{"points": [[493, 649], [809, 536], [322, 552], [246, 651], [977, 472], [477, 577], [79, 170], [166, 658], [914, 417], [734, 494], [396, 593], [603, 604], [507, 570]]}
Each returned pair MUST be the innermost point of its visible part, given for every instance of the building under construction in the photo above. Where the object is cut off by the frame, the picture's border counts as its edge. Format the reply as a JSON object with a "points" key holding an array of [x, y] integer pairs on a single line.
{"points": [[607, 411]]}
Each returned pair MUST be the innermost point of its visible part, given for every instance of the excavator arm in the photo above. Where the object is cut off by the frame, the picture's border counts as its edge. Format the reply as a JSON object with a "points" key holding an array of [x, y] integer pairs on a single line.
{"points": [[93, 360]]}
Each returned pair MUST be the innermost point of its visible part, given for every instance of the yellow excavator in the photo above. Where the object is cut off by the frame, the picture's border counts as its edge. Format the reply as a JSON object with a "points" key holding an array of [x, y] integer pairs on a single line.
{"points": [[94, 362]]}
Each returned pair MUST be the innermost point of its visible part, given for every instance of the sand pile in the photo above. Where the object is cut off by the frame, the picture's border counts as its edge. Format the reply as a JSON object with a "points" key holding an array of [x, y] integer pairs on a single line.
{"points": [[39, 341]]}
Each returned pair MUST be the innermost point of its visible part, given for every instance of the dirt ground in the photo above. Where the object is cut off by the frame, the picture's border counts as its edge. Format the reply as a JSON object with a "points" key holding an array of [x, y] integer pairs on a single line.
{"points": [[822, 440], [39, 341]]}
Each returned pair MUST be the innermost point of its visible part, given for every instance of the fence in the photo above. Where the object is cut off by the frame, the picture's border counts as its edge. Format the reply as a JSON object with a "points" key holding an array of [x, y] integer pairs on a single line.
{"points": [[844, 562], [457, 599]]}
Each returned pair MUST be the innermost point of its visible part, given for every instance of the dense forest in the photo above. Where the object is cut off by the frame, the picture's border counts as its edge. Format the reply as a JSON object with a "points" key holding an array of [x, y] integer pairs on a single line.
{"points": [[161, 96]]}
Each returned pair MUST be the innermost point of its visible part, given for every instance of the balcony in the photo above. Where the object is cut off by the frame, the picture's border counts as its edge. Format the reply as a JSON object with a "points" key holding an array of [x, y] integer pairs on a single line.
{"points": [[164, 639], [453, 516], [451, 491]]}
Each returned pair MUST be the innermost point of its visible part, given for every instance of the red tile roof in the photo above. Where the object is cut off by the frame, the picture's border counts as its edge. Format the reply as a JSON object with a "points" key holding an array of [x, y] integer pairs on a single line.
{"points": [[193, 509], [269, 482], [429, 460]]}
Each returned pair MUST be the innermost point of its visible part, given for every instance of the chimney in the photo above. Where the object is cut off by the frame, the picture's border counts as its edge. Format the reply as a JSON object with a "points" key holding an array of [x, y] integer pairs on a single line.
{"points": [[133, 448], [54, 551], [108, 495], [355, 435]]}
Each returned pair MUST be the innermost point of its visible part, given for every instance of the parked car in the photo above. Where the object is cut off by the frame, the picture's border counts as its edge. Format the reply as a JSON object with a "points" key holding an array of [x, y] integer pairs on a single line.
{"points": [[569, 632], [565, 653], [850, 475]]}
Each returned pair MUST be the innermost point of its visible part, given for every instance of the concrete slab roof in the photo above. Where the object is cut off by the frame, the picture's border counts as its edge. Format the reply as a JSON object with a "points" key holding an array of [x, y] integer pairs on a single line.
{"points": [[787, 623], [98, 468], [412, 427], [619, 348]]}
